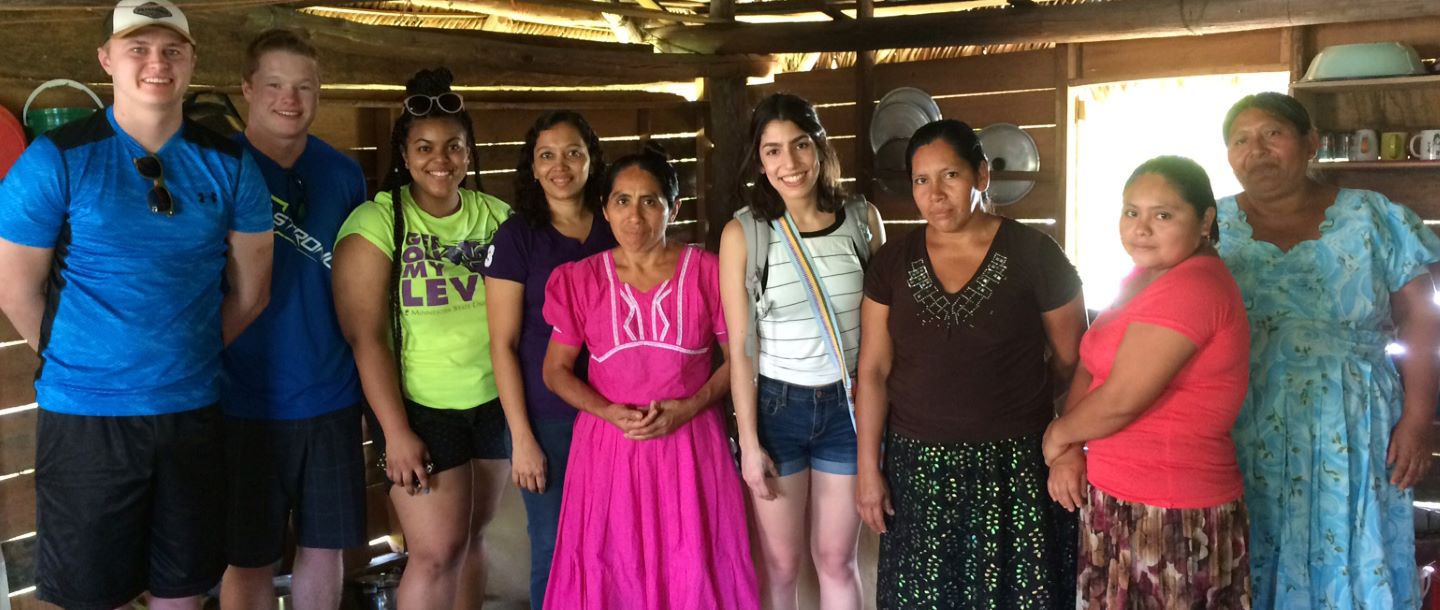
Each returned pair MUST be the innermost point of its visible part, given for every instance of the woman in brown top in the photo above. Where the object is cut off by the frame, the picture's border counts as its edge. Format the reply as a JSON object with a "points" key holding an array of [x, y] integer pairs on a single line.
{"points": [[955, 327]]}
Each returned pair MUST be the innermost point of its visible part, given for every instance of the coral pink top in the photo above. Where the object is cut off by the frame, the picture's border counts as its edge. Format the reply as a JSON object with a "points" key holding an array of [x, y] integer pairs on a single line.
{"points": [[1179, 453]]}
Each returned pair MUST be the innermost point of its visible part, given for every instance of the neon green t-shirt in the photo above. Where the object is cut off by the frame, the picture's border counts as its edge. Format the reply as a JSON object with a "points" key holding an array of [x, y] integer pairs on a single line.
{"points": [[446, 355]]}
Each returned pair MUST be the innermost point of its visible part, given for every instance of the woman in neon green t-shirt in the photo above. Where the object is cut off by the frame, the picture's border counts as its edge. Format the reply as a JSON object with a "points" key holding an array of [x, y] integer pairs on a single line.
{"points": [[407, 282]]}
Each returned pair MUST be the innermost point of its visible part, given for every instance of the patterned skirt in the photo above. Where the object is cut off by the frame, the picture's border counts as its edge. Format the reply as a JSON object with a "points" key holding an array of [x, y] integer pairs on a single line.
{"points": [[974, 527], [1139, 557]]}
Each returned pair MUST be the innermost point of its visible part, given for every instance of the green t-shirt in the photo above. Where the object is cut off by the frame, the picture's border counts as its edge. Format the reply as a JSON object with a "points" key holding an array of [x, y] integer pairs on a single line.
{"points": [[446, 338]]}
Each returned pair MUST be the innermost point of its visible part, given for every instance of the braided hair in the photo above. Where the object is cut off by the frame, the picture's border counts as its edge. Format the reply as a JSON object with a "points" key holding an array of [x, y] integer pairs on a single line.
{"points": [[425, 82]]}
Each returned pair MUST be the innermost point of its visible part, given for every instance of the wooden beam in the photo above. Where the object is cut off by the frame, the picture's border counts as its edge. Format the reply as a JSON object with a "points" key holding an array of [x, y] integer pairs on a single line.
{"points": [[360, 54], [725, 131], [578, 13], [1069, 23], [779, 8], [864, 108], [725, 10], [545, 15]]}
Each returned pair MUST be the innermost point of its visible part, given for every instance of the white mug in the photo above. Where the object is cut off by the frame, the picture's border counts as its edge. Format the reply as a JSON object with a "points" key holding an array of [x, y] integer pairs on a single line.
{"points": [[1426, 145], [1366, 146]]}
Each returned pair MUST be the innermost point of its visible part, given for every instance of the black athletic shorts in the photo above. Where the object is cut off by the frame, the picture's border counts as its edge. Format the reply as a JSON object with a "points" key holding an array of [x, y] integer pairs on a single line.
{"points": [[314, 467], [454, 436], [128, 504]]}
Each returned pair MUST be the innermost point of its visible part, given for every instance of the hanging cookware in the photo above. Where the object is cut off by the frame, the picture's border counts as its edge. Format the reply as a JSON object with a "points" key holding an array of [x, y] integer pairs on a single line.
{"points": [[1009, 149], [898, 114]]}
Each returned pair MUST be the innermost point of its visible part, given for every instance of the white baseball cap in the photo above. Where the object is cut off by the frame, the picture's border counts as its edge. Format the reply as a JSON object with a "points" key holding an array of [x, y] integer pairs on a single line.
{"points": [[131, 15]]}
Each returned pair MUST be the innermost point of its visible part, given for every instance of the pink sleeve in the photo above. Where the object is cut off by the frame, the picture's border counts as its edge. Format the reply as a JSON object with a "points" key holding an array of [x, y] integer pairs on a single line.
{"points": [[560, 310], [711, 284], [1190, 300]]}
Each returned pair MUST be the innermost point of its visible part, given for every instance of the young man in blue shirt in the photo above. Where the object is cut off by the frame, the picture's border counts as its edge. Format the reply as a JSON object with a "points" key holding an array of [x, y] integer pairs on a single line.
{"points": [[290, 391], [115, 234]]}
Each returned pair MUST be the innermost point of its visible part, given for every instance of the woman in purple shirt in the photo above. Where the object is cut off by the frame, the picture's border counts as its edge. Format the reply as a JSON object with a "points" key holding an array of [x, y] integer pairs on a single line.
{"points": [[558, 183]]}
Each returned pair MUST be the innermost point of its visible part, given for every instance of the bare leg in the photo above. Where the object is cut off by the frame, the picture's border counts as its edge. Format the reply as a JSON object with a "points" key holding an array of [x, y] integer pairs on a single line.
{"points": [[248, 588], [834, 535], [435, 537], [489, 478], [780, 529], [317, 579]]}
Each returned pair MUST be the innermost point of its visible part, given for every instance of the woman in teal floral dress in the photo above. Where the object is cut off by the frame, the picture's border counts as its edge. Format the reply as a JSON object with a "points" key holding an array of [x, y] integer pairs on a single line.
{"points": [[1330, 441]]}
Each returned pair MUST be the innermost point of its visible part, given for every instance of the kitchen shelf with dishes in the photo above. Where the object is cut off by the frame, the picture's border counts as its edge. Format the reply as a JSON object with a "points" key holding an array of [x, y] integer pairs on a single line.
{"points": [[1387, 104], [1398, 165], [1367, 85]]}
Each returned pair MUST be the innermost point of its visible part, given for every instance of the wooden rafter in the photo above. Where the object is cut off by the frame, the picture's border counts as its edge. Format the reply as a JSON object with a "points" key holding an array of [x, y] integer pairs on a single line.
{"points": [[1067, 23], [882, 9], [360, 54]]}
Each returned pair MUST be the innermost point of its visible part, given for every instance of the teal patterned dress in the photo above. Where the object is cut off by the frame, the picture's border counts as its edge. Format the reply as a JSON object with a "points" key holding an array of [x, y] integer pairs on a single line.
{"points": [[1328, 530]]}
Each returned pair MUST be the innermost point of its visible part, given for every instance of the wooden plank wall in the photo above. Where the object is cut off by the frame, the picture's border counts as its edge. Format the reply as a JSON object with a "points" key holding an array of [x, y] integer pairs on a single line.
{"points": [[362, 131], [1019, 88], [1026, 88]]}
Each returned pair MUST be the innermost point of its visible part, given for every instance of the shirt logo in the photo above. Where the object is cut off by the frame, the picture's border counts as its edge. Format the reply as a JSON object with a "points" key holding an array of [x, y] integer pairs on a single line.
{"points": [[489, 255], [424, 280], [286, 229]]}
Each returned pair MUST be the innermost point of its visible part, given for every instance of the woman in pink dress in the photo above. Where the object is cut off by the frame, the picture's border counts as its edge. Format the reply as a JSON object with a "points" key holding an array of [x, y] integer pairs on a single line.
{"points": [[653, 517]]}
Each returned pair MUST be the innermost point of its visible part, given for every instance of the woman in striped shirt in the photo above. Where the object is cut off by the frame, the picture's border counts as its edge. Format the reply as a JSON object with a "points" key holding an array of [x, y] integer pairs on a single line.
{"points": [[791, 387]]}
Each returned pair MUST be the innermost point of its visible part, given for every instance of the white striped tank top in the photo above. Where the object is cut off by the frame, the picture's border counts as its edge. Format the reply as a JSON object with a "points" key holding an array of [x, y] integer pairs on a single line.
{"points": [[791, 349]]}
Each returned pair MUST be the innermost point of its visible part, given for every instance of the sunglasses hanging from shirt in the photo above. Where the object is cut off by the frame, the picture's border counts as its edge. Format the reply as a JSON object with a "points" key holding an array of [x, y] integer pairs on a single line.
{"points": [[159, 197], [297, 202], [423, 105]]}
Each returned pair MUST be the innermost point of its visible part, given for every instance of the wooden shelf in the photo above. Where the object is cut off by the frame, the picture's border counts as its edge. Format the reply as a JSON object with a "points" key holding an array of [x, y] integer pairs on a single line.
{"points": [[1368, 85], [1346, 166]]}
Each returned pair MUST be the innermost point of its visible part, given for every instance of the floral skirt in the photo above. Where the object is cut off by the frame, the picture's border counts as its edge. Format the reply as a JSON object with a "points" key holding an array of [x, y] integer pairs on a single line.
{"points": [[974, 529], [1139, 557]]}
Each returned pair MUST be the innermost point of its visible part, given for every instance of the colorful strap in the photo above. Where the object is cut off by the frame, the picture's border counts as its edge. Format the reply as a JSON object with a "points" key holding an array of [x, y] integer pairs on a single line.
{"points": [[819, 303]]}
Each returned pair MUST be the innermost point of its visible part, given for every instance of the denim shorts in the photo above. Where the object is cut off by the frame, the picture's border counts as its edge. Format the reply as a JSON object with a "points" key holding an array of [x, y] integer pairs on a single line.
{"points": [[806, 427]]}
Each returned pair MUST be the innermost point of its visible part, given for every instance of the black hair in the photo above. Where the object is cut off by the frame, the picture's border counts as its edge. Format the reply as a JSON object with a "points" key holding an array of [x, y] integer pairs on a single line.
{"points": [[759, 194], [958, 134], [656, 162], [1278, 105], [1189, 180], [960, 137], [425, 82], [530, 200]]}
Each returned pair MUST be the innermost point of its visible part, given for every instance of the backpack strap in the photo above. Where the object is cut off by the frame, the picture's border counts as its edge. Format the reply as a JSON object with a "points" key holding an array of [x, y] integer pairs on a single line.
{"points": [[857, 226], [757, 251]]}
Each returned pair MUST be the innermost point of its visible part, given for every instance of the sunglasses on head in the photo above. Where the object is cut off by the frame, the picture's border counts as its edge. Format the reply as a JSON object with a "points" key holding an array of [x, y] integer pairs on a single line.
{"points": [[422, 105], [159, 197]]}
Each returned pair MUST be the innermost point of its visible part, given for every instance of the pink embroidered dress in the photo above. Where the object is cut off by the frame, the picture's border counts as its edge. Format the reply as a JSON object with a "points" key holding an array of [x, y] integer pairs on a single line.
{"points": [[656, 524]]}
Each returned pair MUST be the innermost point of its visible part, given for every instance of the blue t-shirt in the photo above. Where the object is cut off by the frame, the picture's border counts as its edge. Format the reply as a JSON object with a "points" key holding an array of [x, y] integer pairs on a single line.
{"points": [[132, 323], [526, 254], [292, 362]]}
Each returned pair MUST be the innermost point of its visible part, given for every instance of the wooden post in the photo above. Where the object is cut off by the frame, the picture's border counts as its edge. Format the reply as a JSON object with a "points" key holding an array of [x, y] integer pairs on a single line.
{"points": [[1297, 46], [725, 130], [864, 109], [1066, 67]]}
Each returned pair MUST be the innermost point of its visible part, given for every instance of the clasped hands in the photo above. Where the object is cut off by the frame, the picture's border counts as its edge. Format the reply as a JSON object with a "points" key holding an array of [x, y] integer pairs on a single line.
{"points": [[660, 418]]}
